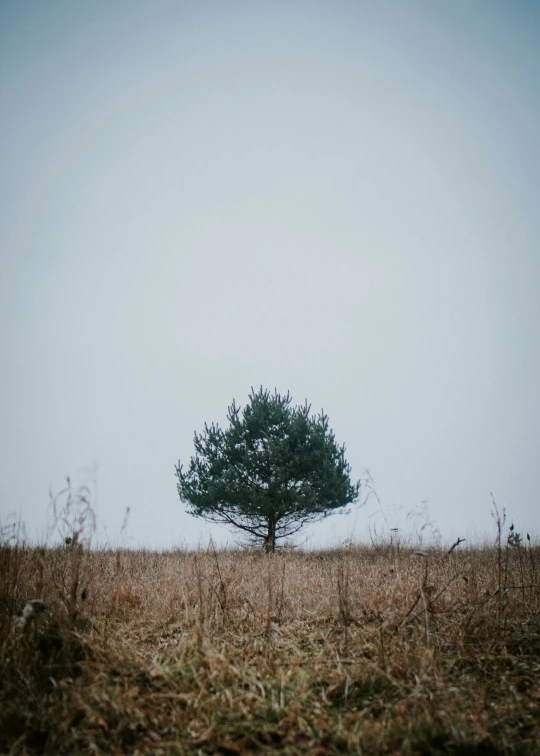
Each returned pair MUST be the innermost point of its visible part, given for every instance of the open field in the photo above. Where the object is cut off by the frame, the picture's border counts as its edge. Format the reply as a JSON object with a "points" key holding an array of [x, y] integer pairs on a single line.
{"points": [[358, 650]]}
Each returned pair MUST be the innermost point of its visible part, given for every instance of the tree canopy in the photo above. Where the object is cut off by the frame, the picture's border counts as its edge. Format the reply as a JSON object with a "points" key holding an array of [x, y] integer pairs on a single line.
{"points": [[275, 469]]}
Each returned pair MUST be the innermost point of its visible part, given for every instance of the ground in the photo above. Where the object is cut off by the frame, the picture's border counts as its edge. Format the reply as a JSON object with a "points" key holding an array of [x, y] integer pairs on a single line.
{"points": [[375, 650]]}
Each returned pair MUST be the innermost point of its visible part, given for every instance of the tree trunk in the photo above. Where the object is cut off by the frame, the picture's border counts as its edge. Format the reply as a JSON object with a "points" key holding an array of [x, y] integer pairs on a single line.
{"points": [[270, 538]]}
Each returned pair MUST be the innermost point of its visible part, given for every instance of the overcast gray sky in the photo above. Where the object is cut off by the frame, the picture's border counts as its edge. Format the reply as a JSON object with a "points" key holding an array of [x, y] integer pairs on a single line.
{"points": [[340, 199]]}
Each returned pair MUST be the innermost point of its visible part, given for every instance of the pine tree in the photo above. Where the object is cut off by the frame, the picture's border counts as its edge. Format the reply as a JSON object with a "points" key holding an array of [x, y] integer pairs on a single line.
{"points": [[275, 469]]}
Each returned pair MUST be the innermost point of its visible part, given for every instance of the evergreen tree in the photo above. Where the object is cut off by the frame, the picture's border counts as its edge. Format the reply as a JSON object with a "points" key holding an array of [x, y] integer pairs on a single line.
{"points": [[275, 469]]}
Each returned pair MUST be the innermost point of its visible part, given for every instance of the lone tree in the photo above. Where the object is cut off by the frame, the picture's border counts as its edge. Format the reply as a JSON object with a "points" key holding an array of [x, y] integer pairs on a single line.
{"points": [[275, 469]]}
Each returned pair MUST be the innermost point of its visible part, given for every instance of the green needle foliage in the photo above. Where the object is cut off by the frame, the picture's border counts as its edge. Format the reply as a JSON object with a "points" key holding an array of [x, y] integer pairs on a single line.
{"points": [[275, 469]]}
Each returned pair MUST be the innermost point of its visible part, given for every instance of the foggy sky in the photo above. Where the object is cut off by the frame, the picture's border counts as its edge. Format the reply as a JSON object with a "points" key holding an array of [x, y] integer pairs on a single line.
{"points": [[337, 199]]}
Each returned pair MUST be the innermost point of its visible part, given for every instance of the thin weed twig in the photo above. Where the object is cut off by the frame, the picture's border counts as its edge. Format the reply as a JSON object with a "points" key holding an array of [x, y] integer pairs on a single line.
{"points": [[268, 628], [500, 519], [281, 595], [455, 544], [201, 602], [343, 579], [223, 599], [520, 557]]}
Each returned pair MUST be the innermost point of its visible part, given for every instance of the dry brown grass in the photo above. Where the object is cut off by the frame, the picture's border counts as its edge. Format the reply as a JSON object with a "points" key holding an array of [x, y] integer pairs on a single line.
{"points": [[343, 651]]}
